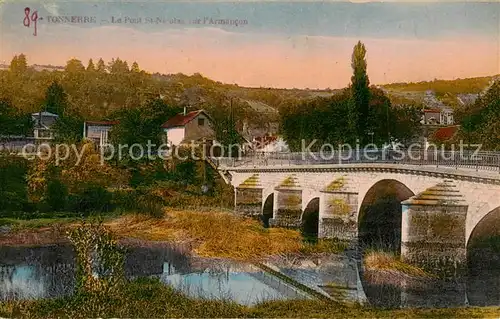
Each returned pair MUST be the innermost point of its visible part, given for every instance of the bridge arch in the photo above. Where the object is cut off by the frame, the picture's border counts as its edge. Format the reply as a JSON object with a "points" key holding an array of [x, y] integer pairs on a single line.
{"points": [[379, 215], [483, 262], [482, 200], [310, 219], [267, 208], [487, 228]]}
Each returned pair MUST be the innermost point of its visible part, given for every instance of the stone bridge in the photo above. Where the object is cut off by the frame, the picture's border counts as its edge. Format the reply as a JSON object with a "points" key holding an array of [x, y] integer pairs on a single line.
{"points": [[443, 203]]}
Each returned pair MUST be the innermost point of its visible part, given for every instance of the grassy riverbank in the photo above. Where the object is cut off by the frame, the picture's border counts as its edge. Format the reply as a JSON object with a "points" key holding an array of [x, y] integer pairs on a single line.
{"points": [[208, 233], [148, 298]]}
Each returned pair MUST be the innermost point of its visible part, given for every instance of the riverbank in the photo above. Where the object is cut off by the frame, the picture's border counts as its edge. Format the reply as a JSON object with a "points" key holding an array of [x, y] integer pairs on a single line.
{"points": [[209, 233], [148, 298]]}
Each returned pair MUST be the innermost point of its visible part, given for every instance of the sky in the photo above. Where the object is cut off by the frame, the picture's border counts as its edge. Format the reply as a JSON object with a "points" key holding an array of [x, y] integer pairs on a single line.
{"points": [[275, 44]]}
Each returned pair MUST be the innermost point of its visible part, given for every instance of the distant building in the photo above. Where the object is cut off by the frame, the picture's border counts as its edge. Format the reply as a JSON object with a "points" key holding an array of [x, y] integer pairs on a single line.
{"points": [[186, 127], [442, 116], [98, 131], [42, 123], [270, 144]]}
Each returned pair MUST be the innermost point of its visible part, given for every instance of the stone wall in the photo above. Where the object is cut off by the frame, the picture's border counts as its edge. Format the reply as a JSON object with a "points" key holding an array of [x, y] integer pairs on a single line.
{"points": [[249, 201], [289, 208], [433, 229], [338, 216]]}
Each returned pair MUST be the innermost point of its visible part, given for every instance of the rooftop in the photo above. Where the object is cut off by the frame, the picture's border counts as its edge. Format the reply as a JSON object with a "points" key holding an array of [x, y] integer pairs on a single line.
{"points": [[445, 133], [181, 119], [107, 123], [44, 113]]}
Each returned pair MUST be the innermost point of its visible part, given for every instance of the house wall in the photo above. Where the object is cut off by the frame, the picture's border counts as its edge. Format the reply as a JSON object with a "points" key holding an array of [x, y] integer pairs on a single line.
{"points": [[429, 115], [98, 133], [175, 135], [196, 132]]}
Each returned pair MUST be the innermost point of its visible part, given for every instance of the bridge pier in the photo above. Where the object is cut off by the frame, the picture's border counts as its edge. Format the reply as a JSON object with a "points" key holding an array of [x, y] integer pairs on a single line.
{"points": [[433, 229], [248, 197], [338, 211], [289, 204]]}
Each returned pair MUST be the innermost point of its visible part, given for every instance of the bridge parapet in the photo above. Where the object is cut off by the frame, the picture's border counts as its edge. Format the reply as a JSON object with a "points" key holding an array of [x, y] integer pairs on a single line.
{"points": [[480, 161]]}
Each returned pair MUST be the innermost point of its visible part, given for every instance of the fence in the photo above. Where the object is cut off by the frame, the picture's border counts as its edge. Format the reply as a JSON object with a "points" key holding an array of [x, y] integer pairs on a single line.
{"points": [[489, 161]]}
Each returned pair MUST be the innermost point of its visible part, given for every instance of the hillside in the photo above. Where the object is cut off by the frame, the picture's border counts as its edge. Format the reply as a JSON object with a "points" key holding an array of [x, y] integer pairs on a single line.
{"points": [[453, 93], [98, 94]]}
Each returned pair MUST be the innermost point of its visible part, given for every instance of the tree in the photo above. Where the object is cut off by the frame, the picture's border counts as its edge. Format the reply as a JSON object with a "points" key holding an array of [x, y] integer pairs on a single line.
{"points": [[140, 125], [55, 99], [135, 68], [101, 67], [405, 122], [18, 65], [68, 128], [117, 66], [74, 66], [90, 66], [360, 90], [12, 122]]}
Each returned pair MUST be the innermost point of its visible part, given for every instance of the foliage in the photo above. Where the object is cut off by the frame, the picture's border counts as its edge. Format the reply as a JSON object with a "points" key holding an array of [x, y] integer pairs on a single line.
{"points": [[68, 129], [481, 121], [326, 120], [18, 64], [212, 233], [13, 122], [360, 92], [100, 269], [142, 125], [385, 261], [441, 87], [149, 298], [55, 99], [323, 119], [405, 122], [57, 195], [13, 190]]}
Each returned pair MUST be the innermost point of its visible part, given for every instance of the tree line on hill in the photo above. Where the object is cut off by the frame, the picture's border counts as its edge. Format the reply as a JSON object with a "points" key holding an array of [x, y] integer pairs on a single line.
{"points": [[141, 101], [480, 122], [113, 91], [360, 113]]}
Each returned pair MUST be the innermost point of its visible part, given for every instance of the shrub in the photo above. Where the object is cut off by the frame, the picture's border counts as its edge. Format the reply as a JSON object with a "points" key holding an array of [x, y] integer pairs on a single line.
{"points": [[57, 195], [91, 198], [13, 186], [151, 205]]}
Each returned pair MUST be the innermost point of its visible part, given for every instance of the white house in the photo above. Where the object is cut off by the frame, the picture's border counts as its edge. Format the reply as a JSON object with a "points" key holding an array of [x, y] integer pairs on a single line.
{"points": [[98, 131], [186, 127], [442, 116]]}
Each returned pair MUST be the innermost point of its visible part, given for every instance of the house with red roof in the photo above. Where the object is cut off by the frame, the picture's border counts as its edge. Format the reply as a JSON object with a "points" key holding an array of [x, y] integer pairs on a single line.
{"points": [[189, 126], [444, 134]]}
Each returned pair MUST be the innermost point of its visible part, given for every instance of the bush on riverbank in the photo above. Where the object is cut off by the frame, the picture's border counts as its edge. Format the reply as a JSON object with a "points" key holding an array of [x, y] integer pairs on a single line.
{"points": [[384, 261]]}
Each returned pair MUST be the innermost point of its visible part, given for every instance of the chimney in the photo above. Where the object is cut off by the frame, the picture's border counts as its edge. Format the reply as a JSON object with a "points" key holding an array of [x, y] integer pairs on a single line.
{"points": [[185, 111]]}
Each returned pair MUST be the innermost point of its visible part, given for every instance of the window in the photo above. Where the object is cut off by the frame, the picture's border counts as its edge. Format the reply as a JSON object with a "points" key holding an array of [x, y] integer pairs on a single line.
{"points": [[201, 121]]}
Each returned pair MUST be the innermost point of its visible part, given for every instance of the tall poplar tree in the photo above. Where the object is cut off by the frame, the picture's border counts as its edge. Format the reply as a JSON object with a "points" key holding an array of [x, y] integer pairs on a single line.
{"points": [[360, 92]]}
